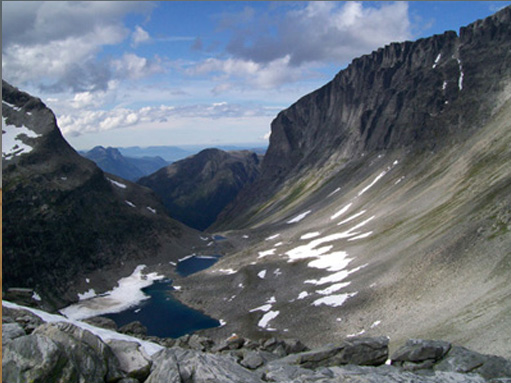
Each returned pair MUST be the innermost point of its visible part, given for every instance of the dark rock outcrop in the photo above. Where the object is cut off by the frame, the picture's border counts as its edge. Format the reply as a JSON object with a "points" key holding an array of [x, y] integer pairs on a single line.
{"points": [[63, 217], [420, 95], [196, 189]]}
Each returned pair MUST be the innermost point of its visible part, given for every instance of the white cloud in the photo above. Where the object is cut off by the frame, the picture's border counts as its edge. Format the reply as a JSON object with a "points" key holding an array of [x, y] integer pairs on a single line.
{"points": [[139, 36], [323, 31], [135, 67], [55, 44]]}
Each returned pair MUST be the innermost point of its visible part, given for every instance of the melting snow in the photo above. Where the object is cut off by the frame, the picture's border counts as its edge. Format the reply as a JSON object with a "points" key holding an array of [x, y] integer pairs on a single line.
{"points": [[351, 217], [303, 295], [118, 184], [11, 142], [377, 323], [86, 295], [334, 288], [149, 347], [437, 60], [272, 237], [460, 80], [267, 318], [361, 236], [356, 334], [335, 191], [227, 271], [335, 277], [126, 294], [151, 209], [264, 308], [298, 218], [333, 300], [310, 235], [130, 203], [222, 322], [262, 274], [36, 297], [372, 183], [263, 254], [341, 212]]}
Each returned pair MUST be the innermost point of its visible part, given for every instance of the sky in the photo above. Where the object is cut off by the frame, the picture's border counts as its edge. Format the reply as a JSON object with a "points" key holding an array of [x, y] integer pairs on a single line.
{"points": [[197, 73]]}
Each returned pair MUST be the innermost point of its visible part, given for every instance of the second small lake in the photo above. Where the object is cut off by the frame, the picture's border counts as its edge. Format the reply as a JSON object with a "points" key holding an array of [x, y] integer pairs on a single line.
{"points": [[195, 263]]}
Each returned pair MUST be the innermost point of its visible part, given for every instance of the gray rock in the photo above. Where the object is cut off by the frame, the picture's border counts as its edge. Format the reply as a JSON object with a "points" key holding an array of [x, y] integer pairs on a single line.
{"points": [[252, 360], [293, 346], [177, 365], [11, 331], [200, 343], [134, 328], [128, 380], [360, 351], [89, 353], [420, 354], [460, 359], [102, 322], [35, 358], [232, 343], [134, 362]]}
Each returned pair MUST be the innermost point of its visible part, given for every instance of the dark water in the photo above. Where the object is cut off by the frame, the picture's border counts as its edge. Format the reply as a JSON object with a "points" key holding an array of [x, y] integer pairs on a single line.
{"points": [[194, 264], [163, 315]]}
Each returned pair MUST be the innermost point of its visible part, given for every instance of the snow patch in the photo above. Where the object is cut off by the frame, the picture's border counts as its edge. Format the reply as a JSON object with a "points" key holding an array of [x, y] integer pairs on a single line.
{"points": [[351, 218], [356, 334], [375, 324], [151, 209], [302, 295], [87, 280], [334, 192], [378, 177], [272, 237], [36, 297], [130, 203], [86, 295], [333, 300], [342, 211], [267, 318], [11, 139], [334, 288], [299, 217], [264, 308], [277, 272], [118, 184], [262, 274], [263, 254], [126, 294], [361, 236], [149, 347], [310, 235], [227, 271], [437, 60]]}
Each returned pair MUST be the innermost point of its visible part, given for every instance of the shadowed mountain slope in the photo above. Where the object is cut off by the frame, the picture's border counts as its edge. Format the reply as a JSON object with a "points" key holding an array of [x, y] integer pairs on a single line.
{"points": [[64, 218], [196, 189]]}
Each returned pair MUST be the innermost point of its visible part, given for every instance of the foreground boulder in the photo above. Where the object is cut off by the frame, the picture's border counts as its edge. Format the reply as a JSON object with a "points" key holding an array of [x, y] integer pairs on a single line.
{"points": [[177, 365]]}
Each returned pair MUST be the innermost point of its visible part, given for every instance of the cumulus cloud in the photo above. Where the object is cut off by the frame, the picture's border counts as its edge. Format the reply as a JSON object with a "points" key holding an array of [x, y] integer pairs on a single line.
{"points": [[86, 121], [55, 44], [139, 36], [135, 67], [321, 31]]}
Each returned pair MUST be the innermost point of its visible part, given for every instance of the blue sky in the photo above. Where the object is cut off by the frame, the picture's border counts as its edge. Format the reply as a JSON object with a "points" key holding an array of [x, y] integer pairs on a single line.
{"points": [[209, 73]]}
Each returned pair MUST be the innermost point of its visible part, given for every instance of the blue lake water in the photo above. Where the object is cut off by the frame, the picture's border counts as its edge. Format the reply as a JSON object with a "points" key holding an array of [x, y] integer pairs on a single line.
{"points": [[162, 314], [194, 264]]}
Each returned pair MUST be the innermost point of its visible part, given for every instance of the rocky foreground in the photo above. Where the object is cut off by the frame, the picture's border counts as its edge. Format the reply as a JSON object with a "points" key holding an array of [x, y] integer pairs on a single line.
{"points": [[35, 351]]}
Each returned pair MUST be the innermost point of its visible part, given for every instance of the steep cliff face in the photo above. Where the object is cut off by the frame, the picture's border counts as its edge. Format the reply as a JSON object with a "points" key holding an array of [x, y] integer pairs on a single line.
{"points": [[418, 95], [63, 217], [384, 204], [196, 189]]}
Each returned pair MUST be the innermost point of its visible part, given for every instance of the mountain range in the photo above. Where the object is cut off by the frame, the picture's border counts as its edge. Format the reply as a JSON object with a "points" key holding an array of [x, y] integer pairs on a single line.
{"points": [[382, 206], [112, 161]]}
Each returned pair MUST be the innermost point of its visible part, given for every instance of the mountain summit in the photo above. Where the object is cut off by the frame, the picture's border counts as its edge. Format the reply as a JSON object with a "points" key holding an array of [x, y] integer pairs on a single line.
{"points": [[65, 218]]}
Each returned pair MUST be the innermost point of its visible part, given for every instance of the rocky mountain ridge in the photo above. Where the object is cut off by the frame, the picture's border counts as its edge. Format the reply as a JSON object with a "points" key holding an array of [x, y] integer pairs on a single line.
{"points": [[66, 219], [413, 95], [196, 189]]}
